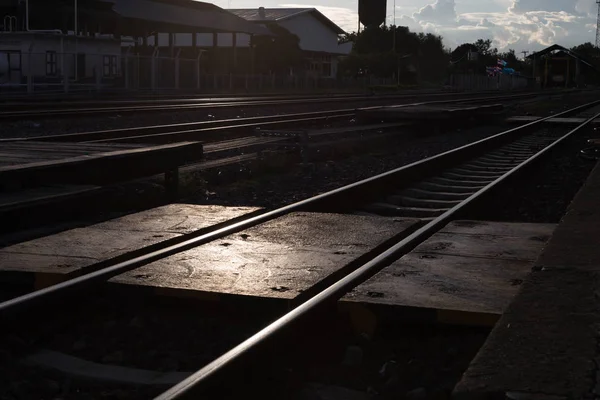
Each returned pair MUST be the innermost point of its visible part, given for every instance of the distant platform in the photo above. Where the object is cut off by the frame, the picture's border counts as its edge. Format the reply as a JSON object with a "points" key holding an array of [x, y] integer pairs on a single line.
{"points": [[428, 113], [569, 121], [61, 256], [466, 273]]}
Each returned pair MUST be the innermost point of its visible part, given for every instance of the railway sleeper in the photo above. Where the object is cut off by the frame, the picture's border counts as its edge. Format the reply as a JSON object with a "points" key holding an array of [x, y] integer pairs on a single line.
{"points": [[497, 165], [431, 194], [522, 150], [468, 178], [477, 172], [486, 168], [391, 210], [516, 151], [456, 183], [491, 158], [406, 201]]}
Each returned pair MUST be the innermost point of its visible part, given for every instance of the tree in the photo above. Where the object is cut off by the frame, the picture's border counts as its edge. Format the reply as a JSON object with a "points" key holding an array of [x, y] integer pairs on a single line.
{"points": [[487, 56], [277, 53], [347, 38], [484, 47], [591, 54], [411, 55]]}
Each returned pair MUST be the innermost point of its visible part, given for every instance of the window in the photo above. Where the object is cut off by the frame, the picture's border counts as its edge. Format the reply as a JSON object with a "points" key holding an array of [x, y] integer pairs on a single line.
{"points": [[51, 63], [327, 69], [110, 66]]}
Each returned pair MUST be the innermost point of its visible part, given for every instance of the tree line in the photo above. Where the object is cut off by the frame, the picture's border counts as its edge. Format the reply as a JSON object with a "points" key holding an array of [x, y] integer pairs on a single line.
{"points": [[408, 57], [417, 57]]}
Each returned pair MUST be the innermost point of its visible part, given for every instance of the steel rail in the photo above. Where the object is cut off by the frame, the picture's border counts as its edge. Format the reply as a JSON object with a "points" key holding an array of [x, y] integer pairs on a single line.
{"points": [[13, 305], [127, 98], [339, 288], [58, 103], [177, 136], [215, 101], [178, 107], [164, 129]]}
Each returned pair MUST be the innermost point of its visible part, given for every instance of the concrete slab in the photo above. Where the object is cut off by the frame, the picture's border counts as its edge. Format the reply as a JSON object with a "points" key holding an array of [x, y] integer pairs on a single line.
{"points": [[546, 343], [281, 259], [71, 252], [469, 267]]}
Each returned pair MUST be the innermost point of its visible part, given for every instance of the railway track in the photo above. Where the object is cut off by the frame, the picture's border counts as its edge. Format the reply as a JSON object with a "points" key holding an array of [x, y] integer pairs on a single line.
{"points": [[436, 195], [486, 164], [18, 111], [514, 157]]}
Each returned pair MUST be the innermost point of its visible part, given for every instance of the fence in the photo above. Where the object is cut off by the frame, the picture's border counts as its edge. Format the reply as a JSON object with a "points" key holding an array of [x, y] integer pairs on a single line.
{"points": [[56, 72], [484, 82], [69, 72]]}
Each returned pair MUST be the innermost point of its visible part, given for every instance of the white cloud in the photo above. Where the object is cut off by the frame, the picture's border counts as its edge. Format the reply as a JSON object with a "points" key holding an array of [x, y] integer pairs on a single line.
{"points": [[518, 24], [440, 11], [525, 25]]}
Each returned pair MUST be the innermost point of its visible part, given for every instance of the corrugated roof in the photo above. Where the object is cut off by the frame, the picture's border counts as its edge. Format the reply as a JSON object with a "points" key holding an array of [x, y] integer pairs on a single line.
{"points": [[555, 47], [270, 14], [281, 14], [186, 13]]}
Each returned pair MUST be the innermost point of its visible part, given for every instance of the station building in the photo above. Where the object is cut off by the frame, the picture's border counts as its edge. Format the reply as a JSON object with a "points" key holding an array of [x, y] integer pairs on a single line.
{"points": [[319, 36]]}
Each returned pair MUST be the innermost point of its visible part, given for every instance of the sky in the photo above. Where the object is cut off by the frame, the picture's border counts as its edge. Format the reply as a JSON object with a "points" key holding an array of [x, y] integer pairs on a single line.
{"points": [[528, 25]]}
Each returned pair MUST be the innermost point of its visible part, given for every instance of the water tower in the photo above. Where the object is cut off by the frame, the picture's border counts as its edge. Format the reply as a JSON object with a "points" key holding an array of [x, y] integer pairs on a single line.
{"points": [[372, 13]]}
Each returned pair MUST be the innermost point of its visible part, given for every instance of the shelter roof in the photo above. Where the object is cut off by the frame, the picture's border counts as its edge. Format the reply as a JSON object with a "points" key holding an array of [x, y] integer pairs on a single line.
{"points": [[561, 49]]}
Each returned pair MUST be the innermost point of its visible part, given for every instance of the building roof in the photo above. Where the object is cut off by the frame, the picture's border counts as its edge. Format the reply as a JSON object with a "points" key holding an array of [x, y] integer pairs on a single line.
{"points": [[193, 15], [262, 14], [555, 47]]}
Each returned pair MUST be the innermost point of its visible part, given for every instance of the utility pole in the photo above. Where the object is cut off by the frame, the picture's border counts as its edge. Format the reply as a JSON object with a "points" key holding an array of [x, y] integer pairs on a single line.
{"points": [[394, 28], [76, 17], [525, 52], [598, 25], [394, 46]]}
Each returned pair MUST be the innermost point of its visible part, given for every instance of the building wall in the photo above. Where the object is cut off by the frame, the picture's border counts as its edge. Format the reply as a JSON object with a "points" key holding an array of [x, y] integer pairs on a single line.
{"points": [[34, 50]]}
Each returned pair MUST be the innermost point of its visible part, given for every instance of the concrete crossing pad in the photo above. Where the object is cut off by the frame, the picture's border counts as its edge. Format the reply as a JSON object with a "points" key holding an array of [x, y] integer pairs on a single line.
{"points": [[281, 259], [471, 268], [69, 253]]}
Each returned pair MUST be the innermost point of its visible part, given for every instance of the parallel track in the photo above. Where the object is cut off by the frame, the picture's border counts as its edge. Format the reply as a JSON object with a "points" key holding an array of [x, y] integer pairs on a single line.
{"points": [[197, 130]]}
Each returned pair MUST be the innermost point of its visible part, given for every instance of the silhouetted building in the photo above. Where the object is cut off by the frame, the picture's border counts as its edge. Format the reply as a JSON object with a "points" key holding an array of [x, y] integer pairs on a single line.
{"points": [[318, 35]]}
